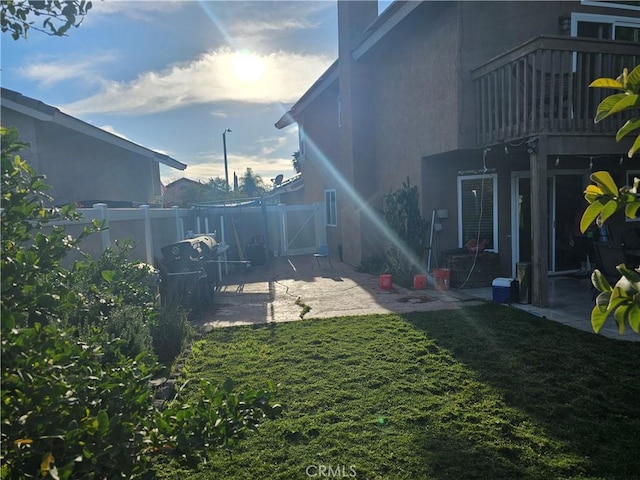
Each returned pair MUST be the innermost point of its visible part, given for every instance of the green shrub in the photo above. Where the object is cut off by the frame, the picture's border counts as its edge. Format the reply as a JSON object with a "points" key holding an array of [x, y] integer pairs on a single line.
{"points": [[402, 213], [68, 409], [35, 288], [110, 281], [126, 331], [170, 332]]}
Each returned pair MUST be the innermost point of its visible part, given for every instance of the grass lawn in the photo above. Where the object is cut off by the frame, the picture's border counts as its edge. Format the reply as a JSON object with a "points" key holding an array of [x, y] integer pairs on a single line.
{"points": [[486, 392]]}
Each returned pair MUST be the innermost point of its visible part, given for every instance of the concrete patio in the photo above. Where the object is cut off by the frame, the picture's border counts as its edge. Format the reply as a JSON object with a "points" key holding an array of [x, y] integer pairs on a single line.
{"points": [[278, 292]]}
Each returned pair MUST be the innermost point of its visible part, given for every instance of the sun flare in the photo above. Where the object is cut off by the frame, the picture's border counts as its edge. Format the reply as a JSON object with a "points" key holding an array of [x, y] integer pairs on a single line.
{"points": [[247, 67]]}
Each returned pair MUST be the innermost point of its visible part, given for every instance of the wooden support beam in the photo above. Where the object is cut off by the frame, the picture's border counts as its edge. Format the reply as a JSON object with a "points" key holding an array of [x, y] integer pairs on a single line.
{"points": [[537, 149]]}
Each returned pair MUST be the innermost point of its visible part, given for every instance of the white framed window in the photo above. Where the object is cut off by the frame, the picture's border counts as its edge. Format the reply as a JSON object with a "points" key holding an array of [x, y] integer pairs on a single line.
{"points": [[605, 27], [478, 209], [331, 208]]}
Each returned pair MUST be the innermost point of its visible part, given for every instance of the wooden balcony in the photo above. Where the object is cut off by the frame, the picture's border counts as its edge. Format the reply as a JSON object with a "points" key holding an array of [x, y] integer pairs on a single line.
{"points": [[542, 87]]}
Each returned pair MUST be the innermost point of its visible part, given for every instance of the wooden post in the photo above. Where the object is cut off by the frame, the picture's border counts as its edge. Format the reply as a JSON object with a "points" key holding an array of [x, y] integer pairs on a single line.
{"points": [[537, 149]]}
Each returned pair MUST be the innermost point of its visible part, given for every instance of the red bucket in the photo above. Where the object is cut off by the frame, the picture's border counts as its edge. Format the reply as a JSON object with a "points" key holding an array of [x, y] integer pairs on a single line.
{"points": [[441, 277], [385, 282], [419, 282]]}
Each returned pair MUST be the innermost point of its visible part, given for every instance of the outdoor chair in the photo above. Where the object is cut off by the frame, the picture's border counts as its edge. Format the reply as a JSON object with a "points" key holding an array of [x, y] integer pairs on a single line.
{"points": [[609, 256], [323, 252]]}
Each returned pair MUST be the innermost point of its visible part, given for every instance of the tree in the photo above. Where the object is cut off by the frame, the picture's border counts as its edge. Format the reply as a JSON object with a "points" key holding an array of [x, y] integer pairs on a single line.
{"points": [[218, 187], [605, 198], [297, 165], [18, 16], [251, 184]]}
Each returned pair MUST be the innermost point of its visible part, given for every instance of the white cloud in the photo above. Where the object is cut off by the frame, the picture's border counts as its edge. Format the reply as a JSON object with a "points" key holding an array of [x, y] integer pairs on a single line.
{"points": [[207, 79], [136, 10], [49, 73], [113, 131], [258, 27]]}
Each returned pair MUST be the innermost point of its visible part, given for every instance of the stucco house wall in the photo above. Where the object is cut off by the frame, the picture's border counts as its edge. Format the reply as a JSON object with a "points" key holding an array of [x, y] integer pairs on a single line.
{"points": [[83, 164]]}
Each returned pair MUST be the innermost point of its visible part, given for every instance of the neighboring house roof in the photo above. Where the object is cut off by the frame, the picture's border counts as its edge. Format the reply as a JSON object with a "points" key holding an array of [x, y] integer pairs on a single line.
{"points": [[183, 182], [289, 185], [41, 111], [395, 13]]}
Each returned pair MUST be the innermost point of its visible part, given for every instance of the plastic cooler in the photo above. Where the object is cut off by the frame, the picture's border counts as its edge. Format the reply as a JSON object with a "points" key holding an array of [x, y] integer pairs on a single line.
{"points": [[501, 289]]}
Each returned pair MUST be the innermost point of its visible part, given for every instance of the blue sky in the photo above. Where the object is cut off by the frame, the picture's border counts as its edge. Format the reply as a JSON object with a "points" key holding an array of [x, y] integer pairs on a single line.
{"points": [[173, 75]]}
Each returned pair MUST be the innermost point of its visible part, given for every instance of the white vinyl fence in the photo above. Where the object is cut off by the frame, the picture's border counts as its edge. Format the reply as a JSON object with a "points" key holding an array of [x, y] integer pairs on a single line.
{"points": [[149, 229], [284, 229]]}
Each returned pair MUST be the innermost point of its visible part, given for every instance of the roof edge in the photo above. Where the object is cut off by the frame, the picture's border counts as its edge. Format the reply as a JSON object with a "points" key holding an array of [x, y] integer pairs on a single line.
{"points": [[41, 111]]}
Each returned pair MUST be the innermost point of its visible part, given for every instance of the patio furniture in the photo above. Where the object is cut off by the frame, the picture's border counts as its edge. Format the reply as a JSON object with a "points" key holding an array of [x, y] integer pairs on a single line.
{"points": [[609, 256], [323, 252], [471, 270]]}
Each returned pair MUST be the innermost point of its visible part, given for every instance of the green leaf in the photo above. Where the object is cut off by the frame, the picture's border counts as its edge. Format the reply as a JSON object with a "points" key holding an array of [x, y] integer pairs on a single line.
{"points": [[600, 282], [598, 318], [630, 125], [602, 301], [227, 385], [606, 83], [589, 215], [108, 275], [609, 209], [604, 180], [606, 106], [629, 101], [631, 209], [634, 318], [103, 421], [633, 80], [620, 315], [634, 148]]}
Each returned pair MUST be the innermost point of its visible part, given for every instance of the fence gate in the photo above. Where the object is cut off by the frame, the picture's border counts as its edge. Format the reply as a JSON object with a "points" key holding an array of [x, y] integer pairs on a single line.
{"points": [[302, 228]]}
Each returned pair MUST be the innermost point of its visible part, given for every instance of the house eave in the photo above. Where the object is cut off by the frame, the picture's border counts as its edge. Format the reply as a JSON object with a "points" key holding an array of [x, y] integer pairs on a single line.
{"points": [[386, 22], [324, 81]]}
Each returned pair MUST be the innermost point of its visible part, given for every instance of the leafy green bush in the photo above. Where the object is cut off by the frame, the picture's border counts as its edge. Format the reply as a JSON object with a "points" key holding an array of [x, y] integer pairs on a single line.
{"points": [[402, 213], [69, 407], [65, 411], [112, 280], [69, 413], [216, 418], [126, 331], [170, 332], [35, 288]]}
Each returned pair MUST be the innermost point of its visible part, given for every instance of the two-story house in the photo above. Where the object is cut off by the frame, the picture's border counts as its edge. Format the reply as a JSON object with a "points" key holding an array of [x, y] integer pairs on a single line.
{"points": [[82, 163], [485, 106]]}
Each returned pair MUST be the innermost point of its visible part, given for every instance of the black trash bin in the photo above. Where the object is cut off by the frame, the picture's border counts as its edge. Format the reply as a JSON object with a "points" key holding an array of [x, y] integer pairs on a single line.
{"points": [[523, 275]]}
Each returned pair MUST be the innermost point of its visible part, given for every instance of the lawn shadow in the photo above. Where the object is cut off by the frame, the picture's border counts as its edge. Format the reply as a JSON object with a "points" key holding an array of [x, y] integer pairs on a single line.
{"points": [[582, 389]]}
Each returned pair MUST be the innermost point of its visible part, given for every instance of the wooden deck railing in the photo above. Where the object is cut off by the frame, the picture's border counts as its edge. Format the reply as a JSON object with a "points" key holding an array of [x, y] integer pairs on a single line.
{"points": [[542, 86]]}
